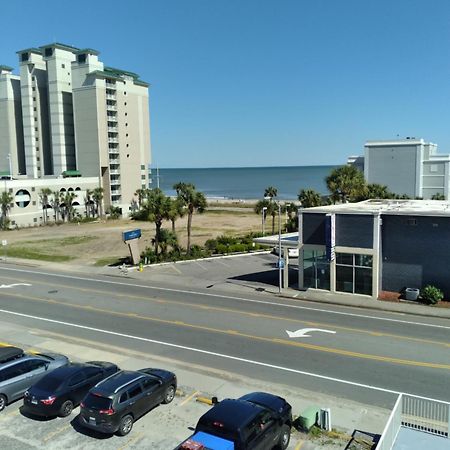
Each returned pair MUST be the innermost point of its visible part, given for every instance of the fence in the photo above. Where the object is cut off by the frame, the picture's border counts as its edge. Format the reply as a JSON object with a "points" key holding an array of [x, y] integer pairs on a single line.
{"points": [[419, 413]]}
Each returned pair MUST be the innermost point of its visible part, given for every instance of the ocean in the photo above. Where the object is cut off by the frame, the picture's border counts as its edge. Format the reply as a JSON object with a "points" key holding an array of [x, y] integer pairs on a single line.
{"points": [[246, 182]]}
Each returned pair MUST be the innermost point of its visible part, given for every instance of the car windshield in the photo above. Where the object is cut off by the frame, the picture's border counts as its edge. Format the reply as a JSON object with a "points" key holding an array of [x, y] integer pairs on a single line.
{"points": [[49, 383], [95, 401]]}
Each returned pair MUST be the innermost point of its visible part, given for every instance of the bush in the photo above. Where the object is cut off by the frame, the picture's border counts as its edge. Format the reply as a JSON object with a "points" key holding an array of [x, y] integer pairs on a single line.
{"points": [[431, 295]]}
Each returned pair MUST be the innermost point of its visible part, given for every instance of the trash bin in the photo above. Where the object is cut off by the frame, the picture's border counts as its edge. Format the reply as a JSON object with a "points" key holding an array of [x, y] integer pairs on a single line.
{"points": [[412, 294]]}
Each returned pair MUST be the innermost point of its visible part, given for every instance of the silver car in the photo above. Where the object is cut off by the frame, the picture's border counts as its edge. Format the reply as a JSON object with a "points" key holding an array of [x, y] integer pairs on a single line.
{"points": [[20, 370]]}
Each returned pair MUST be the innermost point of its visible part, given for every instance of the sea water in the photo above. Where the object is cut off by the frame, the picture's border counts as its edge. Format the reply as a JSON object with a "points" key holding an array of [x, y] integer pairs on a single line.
{"points": [[245, 182]]}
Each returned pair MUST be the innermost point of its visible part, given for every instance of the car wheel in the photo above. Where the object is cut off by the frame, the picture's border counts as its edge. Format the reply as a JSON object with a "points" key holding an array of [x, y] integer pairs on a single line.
{"points": [[285, 437], [2, 402], [125, 426], [169, 394], [66, 408]]}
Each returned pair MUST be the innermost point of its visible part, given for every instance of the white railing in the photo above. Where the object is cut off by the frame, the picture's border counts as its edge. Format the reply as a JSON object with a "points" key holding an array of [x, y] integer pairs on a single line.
{"points": [[113, 129], [110, 97], [423, 414], [114, 172], [392, 427], [111, 107], [113, 140]]}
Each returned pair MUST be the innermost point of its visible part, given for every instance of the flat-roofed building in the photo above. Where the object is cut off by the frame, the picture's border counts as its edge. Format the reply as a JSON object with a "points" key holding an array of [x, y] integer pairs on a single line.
{"points": [[407, 166]]}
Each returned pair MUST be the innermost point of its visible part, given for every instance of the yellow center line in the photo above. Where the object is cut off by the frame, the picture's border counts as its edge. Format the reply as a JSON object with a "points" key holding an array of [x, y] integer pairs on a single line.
{"points": [[247, 336], [299, 445], [56, 432], [133, 440], [248, 314]]}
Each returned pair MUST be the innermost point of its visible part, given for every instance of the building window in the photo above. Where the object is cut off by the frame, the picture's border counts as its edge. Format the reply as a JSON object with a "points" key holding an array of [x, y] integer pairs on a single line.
{"points": [[63, 66], [35, 119], [81, 58], [48, 51], [35, 109], [126, 114], [142, 166], [24, 57], [316, 269], [126, 124], [33, 89], [128, 145], [22, 198], [34, 99], [142, 177], [354, 273], [125, 103]]}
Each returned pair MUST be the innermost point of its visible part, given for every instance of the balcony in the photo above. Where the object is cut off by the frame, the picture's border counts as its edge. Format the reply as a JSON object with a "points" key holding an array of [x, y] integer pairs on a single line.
{"points": [[113, 151], [110, 107], [115, 182], [115, 192], [113, 140], [110, 97], [113, 130], [114, 171], [110, 84]]}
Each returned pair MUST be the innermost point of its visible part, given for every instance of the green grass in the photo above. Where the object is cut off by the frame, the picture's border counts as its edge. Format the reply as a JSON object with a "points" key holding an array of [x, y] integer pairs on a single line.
{"points": [[71, 240], [107, 261], [29, 253], [230, 213]]}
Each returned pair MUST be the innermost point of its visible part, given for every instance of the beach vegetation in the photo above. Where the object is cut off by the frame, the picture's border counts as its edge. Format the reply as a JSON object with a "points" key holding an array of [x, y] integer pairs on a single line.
{"points": [[431, 295], [345, 183], [309, 198], [193, 201], [5, 203], [44, 196]]}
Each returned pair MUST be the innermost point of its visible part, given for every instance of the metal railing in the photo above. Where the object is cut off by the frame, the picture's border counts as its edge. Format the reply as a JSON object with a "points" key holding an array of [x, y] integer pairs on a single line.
{"points": [[418, 413], [424, 414], [111, 107], [392, 427]]}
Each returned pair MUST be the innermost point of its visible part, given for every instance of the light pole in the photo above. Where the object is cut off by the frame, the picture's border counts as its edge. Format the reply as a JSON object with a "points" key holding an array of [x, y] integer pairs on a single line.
{"points": [[263, 213], [280, 273], [287, 206]]}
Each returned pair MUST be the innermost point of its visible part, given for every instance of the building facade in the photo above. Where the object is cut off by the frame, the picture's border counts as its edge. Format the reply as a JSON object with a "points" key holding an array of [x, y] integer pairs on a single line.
{"points": [[377, 245], [409, 166], [66, 111]]}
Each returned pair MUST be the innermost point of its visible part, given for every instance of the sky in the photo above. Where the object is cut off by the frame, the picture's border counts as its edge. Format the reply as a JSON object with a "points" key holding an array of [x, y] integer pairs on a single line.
{"points": [[258, 82]]}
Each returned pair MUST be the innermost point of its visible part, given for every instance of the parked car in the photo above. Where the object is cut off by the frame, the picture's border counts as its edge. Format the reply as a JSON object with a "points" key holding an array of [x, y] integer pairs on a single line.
{"points": [[292, 252], [115, 403], [256, 421], [19, 370], [60, 391]]}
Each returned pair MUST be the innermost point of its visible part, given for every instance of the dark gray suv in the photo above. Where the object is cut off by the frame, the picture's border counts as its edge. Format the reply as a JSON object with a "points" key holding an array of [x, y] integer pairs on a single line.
{"points": [[20, 370], [116, 402]]}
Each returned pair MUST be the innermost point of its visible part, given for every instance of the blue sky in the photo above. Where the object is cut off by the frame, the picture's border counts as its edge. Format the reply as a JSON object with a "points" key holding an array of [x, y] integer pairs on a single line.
{"points": [[261, 83]]}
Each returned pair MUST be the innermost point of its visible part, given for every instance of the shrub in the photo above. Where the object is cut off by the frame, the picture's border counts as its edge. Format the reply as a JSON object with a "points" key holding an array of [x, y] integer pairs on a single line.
{"points": [[431, 295]]}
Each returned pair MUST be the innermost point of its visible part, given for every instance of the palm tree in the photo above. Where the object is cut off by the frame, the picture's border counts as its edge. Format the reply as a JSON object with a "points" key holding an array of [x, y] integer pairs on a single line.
{"points": [[374, 190], [345, 183], [88, 202], [140, 194], [5, 202], [55, 202], [193, 201], [44, 199], [271, 192], [271, 210], [68, 199], [156, 208], [166, 238], [309, 198], [177, 210], [97, 195]]}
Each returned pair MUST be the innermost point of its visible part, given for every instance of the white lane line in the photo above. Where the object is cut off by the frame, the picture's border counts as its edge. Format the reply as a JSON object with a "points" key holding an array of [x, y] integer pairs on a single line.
{"points": [[241, 299], [205, 352], [220, 355]]}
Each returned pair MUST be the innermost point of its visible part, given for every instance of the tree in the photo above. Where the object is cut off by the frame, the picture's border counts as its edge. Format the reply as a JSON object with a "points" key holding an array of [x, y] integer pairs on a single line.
{"points": [[97, 196], [271, 210], [88, 203], [177, 210], [140, 194], [374, 191], [309, 198], [438, 196], [5, 202], [345, 183], [156, 209], [166, 238], [44, 199], [271, 192], [193, 201], [55, 203], [67, 200]]}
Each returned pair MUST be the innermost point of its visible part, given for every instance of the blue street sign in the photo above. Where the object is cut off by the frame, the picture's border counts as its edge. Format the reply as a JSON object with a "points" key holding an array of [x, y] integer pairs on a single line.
{"points": [[132, 234], [280, 263]]}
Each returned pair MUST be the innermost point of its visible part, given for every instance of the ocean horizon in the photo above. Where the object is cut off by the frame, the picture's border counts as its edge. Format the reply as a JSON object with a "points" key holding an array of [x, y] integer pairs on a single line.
{"points": [[244, 182]]}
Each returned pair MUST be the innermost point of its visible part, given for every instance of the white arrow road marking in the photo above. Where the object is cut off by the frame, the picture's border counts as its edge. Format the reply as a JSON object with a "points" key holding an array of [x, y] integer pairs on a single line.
{"points": [[303, 332], [6, 286]]}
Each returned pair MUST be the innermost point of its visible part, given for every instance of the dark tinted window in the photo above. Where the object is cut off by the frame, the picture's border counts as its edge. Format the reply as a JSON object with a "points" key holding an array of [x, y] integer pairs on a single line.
{"points": [[149, 384], [123, 397], [77, 378], [34, 364], [13, 371], [91, 371], [134, 391], [49, 383], [97, 402]]}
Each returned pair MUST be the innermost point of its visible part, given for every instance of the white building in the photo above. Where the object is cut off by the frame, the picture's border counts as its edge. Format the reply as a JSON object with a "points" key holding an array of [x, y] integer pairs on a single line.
{"points": [[65, 112], [409, 166]]}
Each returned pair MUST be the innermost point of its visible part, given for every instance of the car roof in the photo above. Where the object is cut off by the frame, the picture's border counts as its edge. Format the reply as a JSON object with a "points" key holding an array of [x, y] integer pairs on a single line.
{"points": [[10, 353], [231, 413], [266, 400], [117, 381], [67, 370]]}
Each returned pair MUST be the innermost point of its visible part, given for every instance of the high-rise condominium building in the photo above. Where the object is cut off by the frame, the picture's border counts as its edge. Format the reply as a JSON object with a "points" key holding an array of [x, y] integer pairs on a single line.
{"points": [[67, 113]]}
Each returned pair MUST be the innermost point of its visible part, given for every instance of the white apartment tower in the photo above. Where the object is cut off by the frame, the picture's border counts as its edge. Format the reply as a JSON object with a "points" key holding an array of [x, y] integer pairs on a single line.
{"points": [[66, 113]]}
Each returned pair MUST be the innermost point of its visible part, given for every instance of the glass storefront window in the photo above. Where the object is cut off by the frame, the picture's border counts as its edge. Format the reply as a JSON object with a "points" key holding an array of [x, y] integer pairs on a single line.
{"points": [[354, 273], [316, 270]]}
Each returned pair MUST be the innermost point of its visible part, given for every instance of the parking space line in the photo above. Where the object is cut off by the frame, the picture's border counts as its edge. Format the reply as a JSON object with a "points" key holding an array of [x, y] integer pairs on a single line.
{"points": [[299, 445], [4, 344], [133, 440], [56, 432], [188, 399]]}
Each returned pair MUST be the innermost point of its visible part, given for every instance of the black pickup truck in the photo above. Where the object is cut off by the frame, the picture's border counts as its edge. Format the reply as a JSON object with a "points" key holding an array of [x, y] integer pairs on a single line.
{"points": [[256, 421]]}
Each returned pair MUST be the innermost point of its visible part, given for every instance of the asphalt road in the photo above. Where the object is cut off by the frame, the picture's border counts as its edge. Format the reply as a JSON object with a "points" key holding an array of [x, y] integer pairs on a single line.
{"points": [[362, 355]]}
